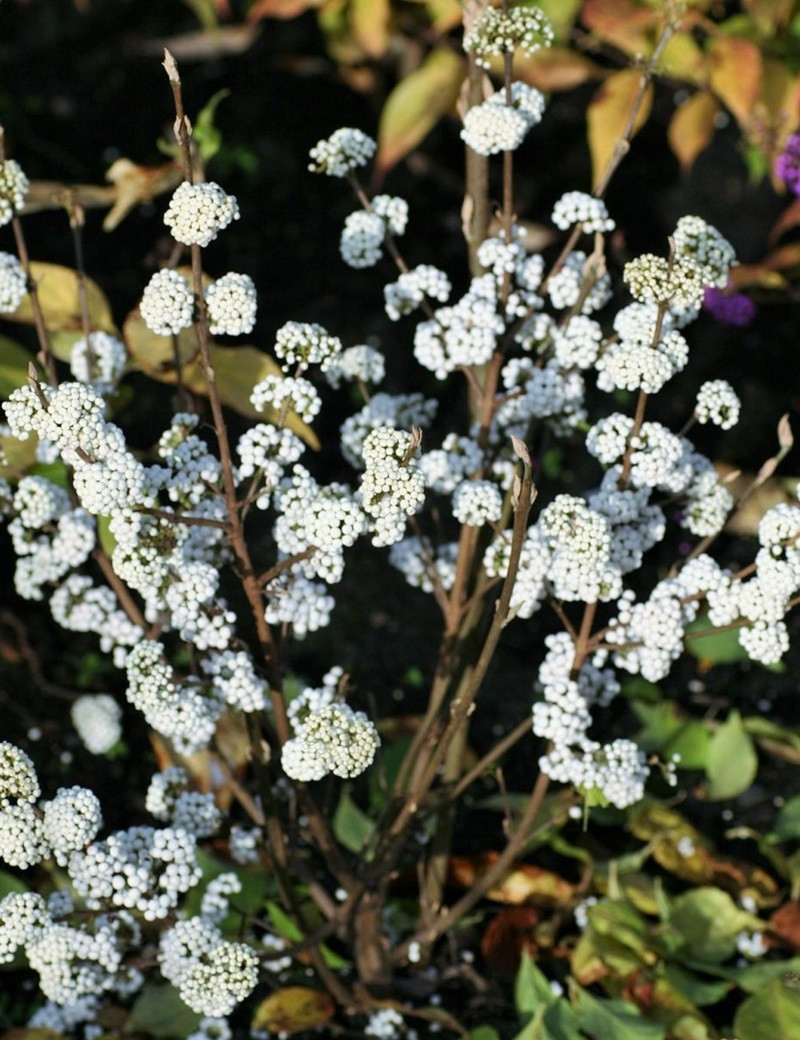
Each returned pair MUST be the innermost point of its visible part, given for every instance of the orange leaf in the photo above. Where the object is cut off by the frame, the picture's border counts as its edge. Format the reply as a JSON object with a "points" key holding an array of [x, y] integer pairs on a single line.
{"points": [[785, 923], [622, 23], [506, 936], [293, 1009], [735, 74], [608, 115], [692, 127], [557, 68], [416, 104]]}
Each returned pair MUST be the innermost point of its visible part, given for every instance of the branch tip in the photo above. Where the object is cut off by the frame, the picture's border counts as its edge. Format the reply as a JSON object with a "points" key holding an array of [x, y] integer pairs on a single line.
{"points": [[785, 435], [171, 67]]}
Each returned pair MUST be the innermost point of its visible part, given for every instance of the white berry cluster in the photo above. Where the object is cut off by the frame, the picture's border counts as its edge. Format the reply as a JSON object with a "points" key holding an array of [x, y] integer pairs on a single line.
{"points": [[717, 403], [141, 868], [167, 303], [422, 566], [185, 711], [211, 974], [360, 363], [295, 600], [330, 739], [573, 283], [497, 32], [235, 680], [97, 719], [198, 212], [13, 283], [284, 393], [345, 150], [501, 125], [232, 303], [576, 207], [398, 410], [13, 189], [300, 344], [170, 800], [393, 487], [106, 365], [362, 239], [411, 288], [477, 502]]}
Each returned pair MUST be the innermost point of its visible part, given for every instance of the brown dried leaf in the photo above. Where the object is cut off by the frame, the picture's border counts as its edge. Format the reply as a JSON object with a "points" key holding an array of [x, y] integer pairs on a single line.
{"points": [[506, 936], [294, 1009], [735, 74], [135, 184], [692, 127], [785, 923]]}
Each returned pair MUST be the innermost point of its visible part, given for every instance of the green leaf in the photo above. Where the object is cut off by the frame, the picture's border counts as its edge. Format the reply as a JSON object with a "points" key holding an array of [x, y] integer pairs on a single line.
{"points": [[754, 978], [773, 1012], [708, 921], [483, 1033], [699, 991], [14, 361], [351, 825], [204, 133], [787, 823], [721, 647], [416, 104], [9, 883], [380, 779], [531, 988], [732, 761], [160, 1012], [285, 926], [614, 1019]]}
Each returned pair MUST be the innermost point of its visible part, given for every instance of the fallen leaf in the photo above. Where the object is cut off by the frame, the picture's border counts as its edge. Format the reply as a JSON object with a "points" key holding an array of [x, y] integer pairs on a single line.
{"points": [[506, 936], [293, 1009], [522, 883]]}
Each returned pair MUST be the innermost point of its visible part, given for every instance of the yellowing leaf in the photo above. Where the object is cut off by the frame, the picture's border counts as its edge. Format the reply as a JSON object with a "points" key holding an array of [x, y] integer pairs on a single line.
{"points": [[369, 20], [557, 68], [416, 104], [735, 74], [293, 1009], [692, 127], [608, 115], [524, 883], [684, 59], [622, 23], [57, 289]]}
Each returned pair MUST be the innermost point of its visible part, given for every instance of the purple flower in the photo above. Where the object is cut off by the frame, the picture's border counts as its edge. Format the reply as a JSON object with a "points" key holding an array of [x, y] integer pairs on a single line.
{"points": [[730, 307], [787, 165]]}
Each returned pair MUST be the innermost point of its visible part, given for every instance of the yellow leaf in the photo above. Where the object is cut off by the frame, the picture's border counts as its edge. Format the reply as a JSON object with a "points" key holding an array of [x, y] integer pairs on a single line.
{"points": [[57, 289], [293, 1009], [557, 68], [416, 104], [684, 59], [692, 127], [608, 114], [735, 74], [369, 20]]}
